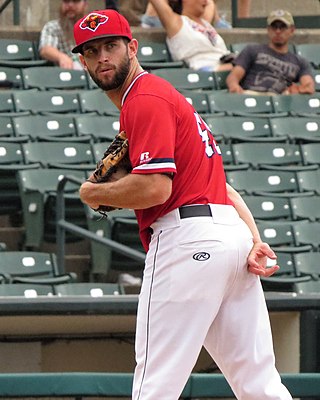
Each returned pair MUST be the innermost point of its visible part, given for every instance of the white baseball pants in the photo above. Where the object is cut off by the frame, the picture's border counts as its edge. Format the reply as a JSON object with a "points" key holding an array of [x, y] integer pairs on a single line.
{"points": [[197, 291]]}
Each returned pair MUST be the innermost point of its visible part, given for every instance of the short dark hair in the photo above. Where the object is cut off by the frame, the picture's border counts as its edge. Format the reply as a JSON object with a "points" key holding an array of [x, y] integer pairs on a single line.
{"points": [[176, 5]]}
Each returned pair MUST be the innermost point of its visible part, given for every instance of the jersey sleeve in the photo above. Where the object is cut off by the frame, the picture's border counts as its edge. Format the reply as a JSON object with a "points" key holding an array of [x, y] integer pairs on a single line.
{"points": [[150, 125]]}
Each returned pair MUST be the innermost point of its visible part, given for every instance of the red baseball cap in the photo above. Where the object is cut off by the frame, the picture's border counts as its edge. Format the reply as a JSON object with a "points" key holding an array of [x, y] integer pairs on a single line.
{"points": [[100, 24]]}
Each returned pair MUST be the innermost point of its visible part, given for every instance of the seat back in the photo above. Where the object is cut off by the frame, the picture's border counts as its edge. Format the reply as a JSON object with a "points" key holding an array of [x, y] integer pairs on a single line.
{"points": [[221, 79], [311, 52], [237, 128], [240, 104], [41, 102], [88, 289], [122, 227], [27, 264], [198, 100], [51, 77], [269, 207], [11, 153], [296, 129], [38, 190], [307, 263], [99, 127], [58, 153], [267, 154], [277, 234], [6, 101], [187, 78], [309, 181], [11, 77], [11, 160], [35, 127], [6, 126], [297, 104], [26, 290], [311, 153], [306, 207], [96, 101], [155, 55], [16, 49], [264, 181], [307, 234]]}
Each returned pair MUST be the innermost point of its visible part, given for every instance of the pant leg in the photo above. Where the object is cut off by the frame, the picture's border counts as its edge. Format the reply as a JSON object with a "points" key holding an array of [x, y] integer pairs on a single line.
{"points": [[240, 341], [179, 300]]}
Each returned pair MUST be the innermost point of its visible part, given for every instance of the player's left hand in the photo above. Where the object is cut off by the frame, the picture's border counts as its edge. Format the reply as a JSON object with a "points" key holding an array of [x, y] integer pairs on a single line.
{"points": [[257, 260]]}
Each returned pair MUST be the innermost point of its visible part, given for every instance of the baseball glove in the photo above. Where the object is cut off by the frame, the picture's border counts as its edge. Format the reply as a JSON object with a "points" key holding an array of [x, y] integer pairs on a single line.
{"points": [[114, 164]]}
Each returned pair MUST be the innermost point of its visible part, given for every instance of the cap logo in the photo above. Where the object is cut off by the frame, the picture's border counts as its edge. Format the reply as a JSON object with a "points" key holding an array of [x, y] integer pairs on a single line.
{"points": [[93, 21]]}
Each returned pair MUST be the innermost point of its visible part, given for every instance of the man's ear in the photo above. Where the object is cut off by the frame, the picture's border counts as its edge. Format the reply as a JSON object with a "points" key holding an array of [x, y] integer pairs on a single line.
{"points": [[82, 60], [133, 48]]}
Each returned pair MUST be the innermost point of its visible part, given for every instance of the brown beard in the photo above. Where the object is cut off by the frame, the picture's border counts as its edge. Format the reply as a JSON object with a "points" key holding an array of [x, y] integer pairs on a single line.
{"points": [[67, 25]]}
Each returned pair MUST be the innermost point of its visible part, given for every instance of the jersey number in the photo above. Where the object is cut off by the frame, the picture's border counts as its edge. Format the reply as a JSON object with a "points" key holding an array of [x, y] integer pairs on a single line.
{"points": [[207, 137]]}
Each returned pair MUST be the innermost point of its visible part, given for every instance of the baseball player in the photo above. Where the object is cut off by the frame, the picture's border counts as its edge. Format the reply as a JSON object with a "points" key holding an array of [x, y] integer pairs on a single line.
{"points": [[201, 282]]}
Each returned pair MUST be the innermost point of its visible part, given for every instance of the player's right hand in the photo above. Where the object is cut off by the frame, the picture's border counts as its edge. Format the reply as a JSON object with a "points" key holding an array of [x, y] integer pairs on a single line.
{"points": [[258, 257]]}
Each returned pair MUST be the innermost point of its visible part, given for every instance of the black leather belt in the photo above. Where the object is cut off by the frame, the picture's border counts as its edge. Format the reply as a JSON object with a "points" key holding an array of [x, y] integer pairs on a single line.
{"points": [[199, 210]]}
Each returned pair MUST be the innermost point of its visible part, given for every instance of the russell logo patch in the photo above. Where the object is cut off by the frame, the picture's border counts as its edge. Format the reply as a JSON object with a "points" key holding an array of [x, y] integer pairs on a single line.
{"points": [[93, 21], [201, 256]]}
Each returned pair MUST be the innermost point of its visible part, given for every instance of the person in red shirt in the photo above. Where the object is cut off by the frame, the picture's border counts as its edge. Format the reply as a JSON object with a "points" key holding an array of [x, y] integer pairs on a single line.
{"points": [[201, 283]]}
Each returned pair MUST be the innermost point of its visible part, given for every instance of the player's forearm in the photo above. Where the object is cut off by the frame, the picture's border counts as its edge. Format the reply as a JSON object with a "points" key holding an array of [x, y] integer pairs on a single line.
{"points": [[244, 212], [132, 191]]}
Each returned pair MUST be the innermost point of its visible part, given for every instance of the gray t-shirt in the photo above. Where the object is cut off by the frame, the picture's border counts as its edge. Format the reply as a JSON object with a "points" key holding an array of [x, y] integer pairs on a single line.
{"points": [[269, 71]]}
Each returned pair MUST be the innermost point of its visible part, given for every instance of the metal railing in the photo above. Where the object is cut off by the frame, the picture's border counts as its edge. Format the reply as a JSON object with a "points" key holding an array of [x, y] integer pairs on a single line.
{"points": [[16, 10], [62, 226]]}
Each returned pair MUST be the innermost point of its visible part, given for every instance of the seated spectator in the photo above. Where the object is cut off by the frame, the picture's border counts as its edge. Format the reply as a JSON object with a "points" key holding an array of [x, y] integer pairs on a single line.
{"points": [[190, 35], [56, 37], [272, 68], [133, 10]]}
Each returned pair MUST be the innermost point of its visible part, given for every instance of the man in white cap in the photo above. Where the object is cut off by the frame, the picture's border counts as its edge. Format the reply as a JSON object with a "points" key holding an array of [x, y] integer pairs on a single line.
{"points": [[271, 68]]}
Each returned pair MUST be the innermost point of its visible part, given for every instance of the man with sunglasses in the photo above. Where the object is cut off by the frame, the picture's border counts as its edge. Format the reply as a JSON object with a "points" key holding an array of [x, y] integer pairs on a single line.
{"points": [[271, 68], [56, 38]]}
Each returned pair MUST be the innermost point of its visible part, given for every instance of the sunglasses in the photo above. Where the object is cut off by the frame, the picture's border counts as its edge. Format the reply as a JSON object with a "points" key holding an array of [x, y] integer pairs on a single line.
{"points": [[280, 26], [71, 1]]}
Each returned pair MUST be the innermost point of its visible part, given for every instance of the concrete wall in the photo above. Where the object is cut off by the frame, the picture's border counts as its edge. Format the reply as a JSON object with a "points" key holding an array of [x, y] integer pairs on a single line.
{"points": [[34, 13]]}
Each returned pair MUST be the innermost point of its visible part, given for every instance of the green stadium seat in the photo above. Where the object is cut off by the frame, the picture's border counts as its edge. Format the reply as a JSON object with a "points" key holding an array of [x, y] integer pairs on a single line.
{"points": [[240, 104], [45, 102], [38, 190], [187, 78], [153, 55], [306, 207], [284, 156], [91, 289], [37, 127], [311, 52], [51, 77], [297, 104], [32, 267], [96, 102], [297, 129], [59, 154]]}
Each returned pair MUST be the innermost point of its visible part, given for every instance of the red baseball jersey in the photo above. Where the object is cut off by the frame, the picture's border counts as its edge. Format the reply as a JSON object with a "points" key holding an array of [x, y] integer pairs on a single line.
{"points": [[166, 135]]}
